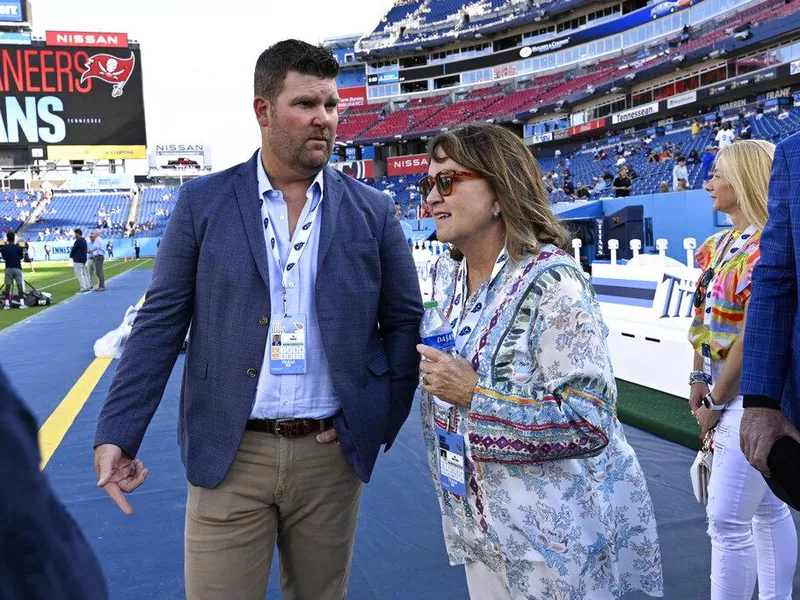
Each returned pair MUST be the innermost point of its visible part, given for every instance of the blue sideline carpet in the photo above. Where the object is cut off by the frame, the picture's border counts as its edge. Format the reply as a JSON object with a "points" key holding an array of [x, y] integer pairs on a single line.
{"points": [[399, 552]]}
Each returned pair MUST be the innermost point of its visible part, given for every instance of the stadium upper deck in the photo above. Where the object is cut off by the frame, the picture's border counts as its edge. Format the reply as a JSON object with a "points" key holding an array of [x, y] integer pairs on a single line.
{"points": [[507, 100]]}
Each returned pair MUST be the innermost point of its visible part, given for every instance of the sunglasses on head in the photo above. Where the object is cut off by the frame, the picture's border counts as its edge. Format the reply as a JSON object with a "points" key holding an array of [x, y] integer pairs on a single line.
{"points": [[443, 181], [700, 290]]}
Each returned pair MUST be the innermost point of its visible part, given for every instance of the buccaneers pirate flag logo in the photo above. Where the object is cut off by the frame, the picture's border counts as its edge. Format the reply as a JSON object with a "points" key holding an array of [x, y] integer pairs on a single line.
{"points": [[110, 69]]}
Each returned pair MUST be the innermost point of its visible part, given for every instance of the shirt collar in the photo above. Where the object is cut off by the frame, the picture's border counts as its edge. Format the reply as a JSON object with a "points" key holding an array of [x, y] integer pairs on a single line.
{"points": [[264, 184]]}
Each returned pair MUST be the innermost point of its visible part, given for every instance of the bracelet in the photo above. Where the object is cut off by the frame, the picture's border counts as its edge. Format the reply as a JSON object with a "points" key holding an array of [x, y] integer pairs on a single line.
{"points": [[699, 377]]}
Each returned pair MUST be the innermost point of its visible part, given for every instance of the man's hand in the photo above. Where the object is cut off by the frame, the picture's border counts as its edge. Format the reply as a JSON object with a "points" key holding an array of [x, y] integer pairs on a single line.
{"points": [[760, 429], [327, 436], [117, 473]]}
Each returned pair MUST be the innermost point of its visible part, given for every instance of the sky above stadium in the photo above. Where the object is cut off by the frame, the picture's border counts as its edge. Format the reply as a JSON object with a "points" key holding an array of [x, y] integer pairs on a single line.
{"points": [[198, 56]]}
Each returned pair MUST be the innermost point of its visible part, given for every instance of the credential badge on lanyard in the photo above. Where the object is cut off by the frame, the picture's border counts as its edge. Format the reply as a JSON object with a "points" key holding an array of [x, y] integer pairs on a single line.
{"points": [[288, 331]]}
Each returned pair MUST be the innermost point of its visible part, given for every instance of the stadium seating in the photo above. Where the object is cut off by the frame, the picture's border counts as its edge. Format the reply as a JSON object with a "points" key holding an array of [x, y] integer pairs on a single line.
{"points": [[67, 211], [156, 206], [550, 88]]}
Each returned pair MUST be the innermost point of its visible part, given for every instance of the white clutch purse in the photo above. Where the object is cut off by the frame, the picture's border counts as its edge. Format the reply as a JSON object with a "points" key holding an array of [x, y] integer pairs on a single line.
{"points": [[700, 472]]}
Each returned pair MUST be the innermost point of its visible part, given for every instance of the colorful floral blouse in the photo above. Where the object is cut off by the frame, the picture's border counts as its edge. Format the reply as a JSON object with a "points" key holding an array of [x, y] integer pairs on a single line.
{"points": [[718, 320], [554, 528]]}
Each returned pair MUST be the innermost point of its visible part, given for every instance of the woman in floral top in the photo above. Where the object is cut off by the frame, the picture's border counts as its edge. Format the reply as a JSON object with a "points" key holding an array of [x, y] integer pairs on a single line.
{"points": [[752, 532], [541, 496]]}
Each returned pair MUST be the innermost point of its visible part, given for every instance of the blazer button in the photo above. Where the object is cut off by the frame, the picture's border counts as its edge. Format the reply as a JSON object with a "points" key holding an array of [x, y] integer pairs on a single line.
{"points": [[263, 320], [252, 372]]}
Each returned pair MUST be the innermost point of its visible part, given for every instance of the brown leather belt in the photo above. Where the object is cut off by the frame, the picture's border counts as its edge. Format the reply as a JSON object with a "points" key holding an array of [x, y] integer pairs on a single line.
{"points": [[290, 428]]}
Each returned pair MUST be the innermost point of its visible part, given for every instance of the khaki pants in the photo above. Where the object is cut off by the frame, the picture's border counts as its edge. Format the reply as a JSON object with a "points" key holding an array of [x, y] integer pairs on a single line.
{"points": [[297, 492]]}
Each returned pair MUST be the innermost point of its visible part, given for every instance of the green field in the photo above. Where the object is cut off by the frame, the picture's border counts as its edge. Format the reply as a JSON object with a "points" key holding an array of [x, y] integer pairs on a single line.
{"points": [[58, 278]]}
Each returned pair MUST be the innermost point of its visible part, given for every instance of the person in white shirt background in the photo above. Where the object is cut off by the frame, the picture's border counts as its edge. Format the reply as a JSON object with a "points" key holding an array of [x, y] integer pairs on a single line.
{"points": [[97, 248], [679, 172], [725, 136]]}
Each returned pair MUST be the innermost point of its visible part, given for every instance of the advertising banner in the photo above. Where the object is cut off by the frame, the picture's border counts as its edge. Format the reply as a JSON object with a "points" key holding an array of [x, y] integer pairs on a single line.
{"points": [[357, 169], [105, 181], [87, 39], [794, 67], [76, 101], [352, 96], [411, 164], [541, 138], [681, 99], [15, 37], [589, 126], [635, 113], [12, 11]]}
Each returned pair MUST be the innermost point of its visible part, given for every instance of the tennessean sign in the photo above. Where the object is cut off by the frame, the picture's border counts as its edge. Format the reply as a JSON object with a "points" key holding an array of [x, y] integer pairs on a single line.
{"points": [[87, 39]]}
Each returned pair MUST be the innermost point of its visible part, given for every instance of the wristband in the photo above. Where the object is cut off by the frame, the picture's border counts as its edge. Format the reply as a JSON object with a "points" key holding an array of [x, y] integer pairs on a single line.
{"points": [[699, 377]]}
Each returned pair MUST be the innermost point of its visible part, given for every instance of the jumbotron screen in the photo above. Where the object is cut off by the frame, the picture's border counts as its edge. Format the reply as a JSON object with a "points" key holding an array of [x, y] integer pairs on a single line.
{"points": [[67, 103]]}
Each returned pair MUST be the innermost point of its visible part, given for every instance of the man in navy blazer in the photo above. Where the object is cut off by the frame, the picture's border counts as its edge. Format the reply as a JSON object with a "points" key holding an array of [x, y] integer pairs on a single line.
{"points": [[770, 380], [279, 254]]}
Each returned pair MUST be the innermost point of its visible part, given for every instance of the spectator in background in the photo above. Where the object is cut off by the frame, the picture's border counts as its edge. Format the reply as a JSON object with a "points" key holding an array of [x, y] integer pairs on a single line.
{"points": [[745, 133], [622, 184], [12, 254], [47, 251], [725, 136], [110, 249], [663, 187], [582, 193], [708, 161], [98, 251], [695, 127], [600, 186], [693, 158], [136, 248], [568, 188], [683, 185], [30, 254], [78, 254], [679, 171]]}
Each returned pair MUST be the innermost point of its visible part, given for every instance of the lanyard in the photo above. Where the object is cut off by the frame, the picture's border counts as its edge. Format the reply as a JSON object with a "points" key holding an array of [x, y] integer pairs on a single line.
{"points": [[465, 325], [733, 247], [298, 243]]}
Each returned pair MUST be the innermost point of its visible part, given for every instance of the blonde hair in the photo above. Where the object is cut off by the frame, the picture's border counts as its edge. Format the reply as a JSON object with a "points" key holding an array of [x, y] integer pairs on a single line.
{"points": [[746, 165], [503, 160]]}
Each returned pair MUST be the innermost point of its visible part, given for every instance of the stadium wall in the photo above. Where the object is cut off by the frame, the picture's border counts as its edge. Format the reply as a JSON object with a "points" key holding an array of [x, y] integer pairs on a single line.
{"points": [[123, 248], [676, 216]]}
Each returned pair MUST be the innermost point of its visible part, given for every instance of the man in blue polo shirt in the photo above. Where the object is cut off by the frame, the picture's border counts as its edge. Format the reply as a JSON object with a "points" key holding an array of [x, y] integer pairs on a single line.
{"points": [[12, 255]]}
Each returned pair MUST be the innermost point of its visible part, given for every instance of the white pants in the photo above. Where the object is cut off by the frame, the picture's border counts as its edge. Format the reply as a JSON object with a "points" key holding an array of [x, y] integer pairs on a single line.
{"points": [[80, 273], [751, 531]]}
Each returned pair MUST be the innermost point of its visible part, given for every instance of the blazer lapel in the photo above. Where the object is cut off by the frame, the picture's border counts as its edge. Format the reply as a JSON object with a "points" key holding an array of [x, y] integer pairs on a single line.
{"points": [[331, 202], [246, 188]]}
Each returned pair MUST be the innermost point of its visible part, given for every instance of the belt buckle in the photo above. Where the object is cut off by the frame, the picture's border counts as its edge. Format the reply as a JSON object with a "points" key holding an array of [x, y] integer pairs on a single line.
{"points": [[278, 429]]}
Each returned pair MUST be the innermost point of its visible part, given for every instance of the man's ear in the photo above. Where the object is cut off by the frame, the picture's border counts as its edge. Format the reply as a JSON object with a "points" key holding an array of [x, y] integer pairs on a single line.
{"points": [[262, 108]]}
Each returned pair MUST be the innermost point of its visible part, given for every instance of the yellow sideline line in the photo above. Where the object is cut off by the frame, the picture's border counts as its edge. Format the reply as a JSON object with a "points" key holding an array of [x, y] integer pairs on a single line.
{"points": [[52, 432]]}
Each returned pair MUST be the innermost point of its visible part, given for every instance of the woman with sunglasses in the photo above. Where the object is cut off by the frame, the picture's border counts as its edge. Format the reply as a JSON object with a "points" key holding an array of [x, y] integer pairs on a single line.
{"points": [[541, 496], [752, 532]]}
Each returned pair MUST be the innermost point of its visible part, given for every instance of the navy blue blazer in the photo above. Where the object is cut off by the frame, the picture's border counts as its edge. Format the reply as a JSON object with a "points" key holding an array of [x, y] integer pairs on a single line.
{"points": [[368, 304], [42, 552], [771, 358]]}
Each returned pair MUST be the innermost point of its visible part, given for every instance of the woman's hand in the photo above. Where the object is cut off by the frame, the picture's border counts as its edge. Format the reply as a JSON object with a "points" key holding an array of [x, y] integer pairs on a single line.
{"points": [[696, 394], [449, 378], [707, 419]]}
